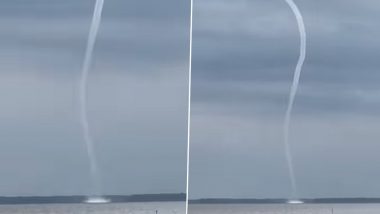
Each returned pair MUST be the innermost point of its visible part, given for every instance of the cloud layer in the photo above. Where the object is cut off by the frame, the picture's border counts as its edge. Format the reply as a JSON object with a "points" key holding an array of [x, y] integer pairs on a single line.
{"points": [[243, 62], [137, 88]]}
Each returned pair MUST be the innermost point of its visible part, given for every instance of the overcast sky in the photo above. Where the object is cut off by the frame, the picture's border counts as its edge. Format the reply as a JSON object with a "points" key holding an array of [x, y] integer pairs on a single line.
{"points": [[137, 96], [244, 56]]}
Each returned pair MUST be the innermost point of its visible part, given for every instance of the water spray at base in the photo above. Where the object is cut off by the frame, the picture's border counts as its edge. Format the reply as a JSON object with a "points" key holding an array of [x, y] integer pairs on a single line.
{"points": [[95, 175], [293, 92]]}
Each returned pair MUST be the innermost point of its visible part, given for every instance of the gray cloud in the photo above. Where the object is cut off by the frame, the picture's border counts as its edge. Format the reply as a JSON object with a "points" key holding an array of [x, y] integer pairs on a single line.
{"points": [[137, 88], [243, 62]]}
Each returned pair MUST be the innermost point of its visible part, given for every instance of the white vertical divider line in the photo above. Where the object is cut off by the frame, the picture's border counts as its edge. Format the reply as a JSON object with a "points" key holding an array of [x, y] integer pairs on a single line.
{"points": [[189, 106]]}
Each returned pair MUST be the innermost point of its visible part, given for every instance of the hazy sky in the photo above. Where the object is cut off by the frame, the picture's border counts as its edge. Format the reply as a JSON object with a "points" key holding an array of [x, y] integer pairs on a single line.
{"points": [[244, 56], [243, 61], [137, 96]]}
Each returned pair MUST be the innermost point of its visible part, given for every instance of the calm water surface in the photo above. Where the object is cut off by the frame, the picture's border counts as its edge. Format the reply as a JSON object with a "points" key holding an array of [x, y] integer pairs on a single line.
{"points": [[125, 208], [285, 209]]}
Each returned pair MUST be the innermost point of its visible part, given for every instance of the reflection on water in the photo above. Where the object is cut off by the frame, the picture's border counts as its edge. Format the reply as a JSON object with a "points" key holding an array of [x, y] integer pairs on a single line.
{"points": [[285, 209], [116, 208]]}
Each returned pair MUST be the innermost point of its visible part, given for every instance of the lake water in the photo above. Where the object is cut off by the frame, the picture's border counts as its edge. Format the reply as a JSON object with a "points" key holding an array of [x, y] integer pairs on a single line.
{"points": [[285, 209], [116, 208]]}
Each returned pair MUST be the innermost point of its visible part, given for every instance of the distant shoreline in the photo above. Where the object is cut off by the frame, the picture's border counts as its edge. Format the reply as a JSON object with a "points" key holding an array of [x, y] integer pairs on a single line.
{"points": [[175, 197], [285, 201]]}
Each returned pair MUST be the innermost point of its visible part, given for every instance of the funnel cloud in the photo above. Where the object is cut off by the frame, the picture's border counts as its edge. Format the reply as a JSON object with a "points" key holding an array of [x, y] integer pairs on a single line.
{"points": [[293, 92], [94, 168]]}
